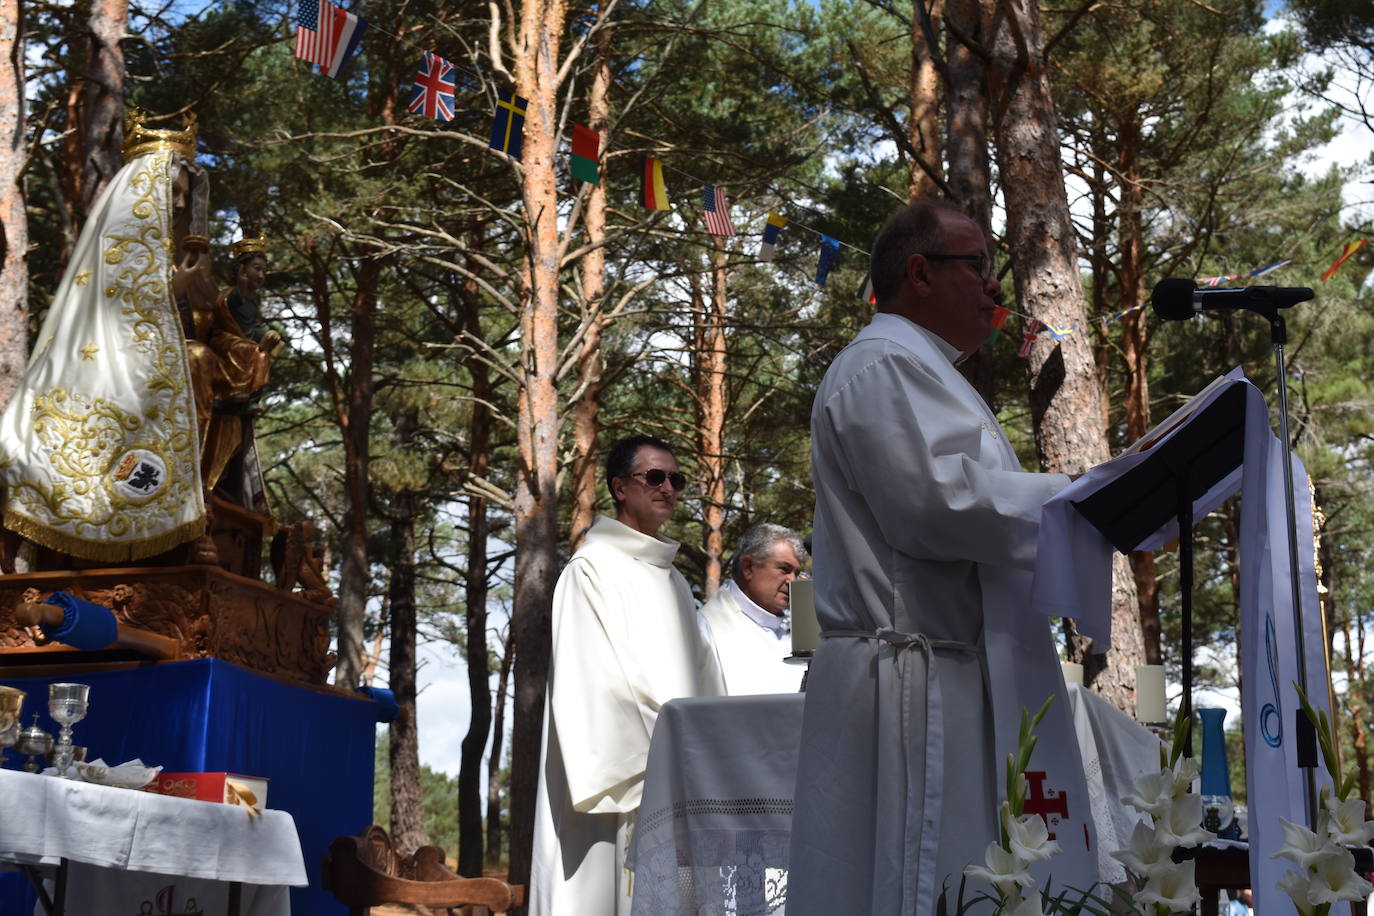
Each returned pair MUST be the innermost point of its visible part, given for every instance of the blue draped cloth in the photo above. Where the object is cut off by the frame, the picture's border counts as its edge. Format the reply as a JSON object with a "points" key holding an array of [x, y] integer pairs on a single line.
{"points": [[315, 746]]}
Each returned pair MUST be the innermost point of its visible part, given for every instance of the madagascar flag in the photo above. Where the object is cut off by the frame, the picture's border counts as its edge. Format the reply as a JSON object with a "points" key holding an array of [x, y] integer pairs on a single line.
{"points": [[653, 193], [585, 143]]}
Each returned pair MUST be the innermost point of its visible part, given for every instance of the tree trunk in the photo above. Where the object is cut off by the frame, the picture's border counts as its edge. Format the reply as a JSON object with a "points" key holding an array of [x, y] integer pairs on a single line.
{"points": [[494, 780], [536, 489], [14, 222], [708, 371], [585, 409], [966, 147], [95, 109], [1135, 351], [355, 572], [924, 127], [407, 798], [479, 669], [1066, 395]]}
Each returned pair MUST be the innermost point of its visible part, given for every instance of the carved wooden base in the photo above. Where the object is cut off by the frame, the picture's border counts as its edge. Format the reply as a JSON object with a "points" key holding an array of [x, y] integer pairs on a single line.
{"points": [[209, 611]]}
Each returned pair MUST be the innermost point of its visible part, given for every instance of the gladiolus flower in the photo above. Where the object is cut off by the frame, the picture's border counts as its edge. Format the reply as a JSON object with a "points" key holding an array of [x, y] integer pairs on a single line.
{"points": [[1185, 773], [1004, 870], [1295, 885], [1029, 837], [1173, 889], [1347, 826], [1334, 879], [1153, 793], [1145, 856], [1300, 844], [1181, 825]]}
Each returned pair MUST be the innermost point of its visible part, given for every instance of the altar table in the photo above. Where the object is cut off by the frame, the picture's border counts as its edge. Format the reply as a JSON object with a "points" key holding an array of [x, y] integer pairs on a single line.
{"points": [[120, 848], [715, 821]]}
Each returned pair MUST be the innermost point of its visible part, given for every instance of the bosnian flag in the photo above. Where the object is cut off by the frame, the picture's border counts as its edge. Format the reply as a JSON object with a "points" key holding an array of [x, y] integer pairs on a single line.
{"points": [[434, 85], [770, 235]]}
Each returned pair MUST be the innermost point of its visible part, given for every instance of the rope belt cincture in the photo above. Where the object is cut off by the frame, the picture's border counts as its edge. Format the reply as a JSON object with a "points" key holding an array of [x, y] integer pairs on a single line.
{"points": [[922, 834]]}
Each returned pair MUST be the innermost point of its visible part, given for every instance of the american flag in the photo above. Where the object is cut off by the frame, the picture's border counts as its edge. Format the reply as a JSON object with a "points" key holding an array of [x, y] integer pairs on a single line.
{"points": [[434, 86], [310, 44], [327, 35], [717, 211]]}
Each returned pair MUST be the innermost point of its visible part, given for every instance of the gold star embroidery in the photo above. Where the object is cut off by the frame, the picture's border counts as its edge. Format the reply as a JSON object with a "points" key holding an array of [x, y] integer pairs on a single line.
{"points": [[89, 351], [83, 277]]}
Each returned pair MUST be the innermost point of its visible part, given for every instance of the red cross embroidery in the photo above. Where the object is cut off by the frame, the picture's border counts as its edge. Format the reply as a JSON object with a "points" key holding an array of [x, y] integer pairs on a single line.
{"points": [[1051, 804]]}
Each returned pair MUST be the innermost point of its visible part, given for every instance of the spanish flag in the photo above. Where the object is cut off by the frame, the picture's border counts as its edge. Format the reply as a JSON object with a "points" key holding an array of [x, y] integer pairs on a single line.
{"points": [[1347, 252], [653, 193]]}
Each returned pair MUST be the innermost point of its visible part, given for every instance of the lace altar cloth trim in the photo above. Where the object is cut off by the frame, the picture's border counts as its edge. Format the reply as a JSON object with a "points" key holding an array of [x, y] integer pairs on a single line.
{"points": [[714, 872], [706, 806]]}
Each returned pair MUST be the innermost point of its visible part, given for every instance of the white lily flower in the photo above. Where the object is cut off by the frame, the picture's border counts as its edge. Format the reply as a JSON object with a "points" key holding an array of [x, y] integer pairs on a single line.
{"points": [[1031, 906], [1153, 793], [1174, 889], [1029, 837], [1300, 845], [1004, 870], [1333, 879], [1295, 885], [1347, 826], [1144, 857], [1181, 825], [1185, 774]]}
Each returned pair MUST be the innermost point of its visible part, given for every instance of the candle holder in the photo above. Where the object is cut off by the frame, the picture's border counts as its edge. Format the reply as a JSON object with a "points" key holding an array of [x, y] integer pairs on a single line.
{"points": [[34, 742], [67, 706]]}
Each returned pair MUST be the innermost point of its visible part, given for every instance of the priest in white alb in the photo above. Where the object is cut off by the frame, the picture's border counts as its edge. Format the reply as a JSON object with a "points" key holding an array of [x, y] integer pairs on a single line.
{"points": [[625, 641], [924, 544], [746, 622]]}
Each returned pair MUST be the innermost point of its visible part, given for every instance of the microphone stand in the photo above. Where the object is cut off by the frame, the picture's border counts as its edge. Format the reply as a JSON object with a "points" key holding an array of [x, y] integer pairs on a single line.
{"points": [[1305, 732]]}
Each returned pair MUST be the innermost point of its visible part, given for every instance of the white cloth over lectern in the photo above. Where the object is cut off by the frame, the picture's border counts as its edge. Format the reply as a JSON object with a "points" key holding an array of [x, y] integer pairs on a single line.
{"points": [[1073, 579]]}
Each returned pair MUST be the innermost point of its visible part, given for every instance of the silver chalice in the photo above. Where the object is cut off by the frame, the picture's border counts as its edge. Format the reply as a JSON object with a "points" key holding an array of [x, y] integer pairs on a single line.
{"points": [[67, 706]]}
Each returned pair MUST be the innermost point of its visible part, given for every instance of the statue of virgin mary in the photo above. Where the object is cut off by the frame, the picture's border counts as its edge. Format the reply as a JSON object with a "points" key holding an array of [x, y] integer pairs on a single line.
{"points": [[99, 453]]}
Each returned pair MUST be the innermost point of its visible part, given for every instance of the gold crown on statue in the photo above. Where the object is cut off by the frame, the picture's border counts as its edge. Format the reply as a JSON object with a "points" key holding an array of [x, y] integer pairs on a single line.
{"points": [[139, 139], [249, 244]]}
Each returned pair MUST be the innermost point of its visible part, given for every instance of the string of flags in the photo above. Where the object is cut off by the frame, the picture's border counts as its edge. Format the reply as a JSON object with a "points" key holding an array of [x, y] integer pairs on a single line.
{"points": [[328, 36]]}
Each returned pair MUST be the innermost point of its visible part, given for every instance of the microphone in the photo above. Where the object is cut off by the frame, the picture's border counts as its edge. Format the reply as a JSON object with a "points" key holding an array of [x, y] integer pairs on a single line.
{"points": [[1180, 298]]}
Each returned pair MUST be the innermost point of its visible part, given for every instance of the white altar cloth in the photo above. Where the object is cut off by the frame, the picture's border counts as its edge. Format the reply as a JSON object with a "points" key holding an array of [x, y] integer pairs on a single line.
{"points": [[44, 820], [716, 819]]}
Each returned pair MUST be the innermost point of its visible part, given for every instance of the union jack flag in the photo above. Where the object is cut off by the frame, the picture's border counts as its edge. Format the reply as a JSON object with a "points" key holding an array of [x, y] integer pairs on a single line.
{"points": [[717, 211], [434, 85]]}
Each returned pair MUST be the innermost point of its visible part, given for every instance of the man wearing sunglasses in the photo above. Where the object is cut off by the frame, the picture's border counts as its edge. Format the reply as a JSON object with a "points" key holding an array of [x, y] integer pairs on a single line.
{"points": [[924, 543], [625, 641]]}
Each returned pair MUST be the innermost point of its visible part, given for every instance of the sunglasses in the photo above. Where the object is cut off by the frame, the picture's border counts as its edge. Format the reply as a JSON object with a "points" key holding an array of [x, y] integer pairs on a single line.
{"points": [[981, 262], [654, 477]]}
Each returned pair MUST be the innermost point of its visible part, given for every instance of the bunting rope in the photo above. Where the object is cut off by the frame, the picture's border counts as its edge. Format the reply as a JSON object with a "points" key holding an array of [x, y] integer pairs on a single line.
{"points": [[328, 37]]}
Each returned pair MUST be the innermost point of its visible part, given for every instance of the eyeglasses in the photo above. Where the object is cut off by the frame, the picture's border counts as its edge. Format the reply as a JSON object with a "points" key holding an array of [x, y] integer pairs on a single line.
{"points": [[654, 477], [981, 262]]}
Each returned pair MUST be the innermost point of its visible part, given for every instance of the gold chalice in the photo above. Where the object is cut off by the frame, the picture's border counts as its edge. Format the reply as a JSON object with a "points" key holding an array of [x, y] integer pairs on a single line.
{"points": [[11, 701]]}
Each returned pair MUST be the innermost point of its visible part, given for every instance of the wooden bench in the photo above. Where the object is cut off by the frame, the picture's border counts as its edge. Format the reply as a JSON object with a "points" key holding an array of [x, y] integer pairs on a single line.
{"points": [[365, 871]]}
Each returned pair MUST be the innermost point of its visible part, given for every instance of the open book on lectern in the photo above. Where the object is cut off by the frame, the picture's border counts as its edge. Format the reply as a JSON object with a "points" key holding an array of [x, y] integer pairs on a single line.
{"points": [[1130, 503]]}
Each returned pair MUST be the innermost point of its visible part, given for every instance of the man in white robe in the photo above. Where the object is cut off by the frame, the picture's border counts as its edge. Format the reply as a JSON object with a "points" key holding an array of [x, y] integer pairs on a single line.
{"points": [[924, 543], [625, 641], [745, 621]]}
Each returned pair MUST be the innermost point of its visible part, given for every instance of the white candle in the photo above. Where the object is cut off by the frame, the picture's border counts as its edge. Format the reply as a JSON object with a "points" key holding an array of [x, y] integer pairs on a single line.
{"points": [[1073, 673], [806, 629], [1149, 694]]}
